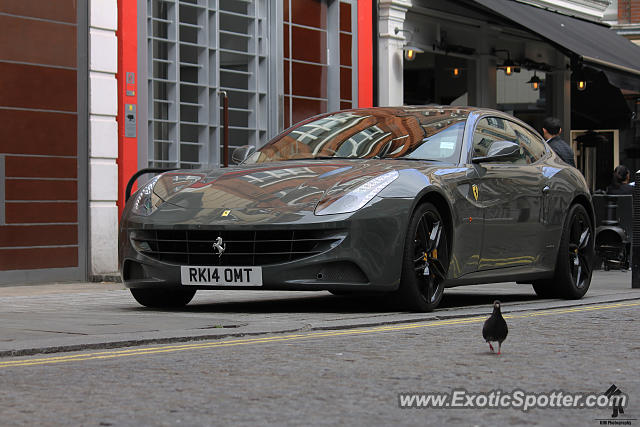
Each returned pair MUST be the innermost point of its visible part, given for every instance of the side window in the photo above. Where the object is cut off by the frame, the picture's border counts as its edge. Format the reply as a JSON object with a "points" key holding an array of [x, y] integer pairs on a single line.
{"points": [[532, 144], [522, 138], [490, 130], [487, 132]]}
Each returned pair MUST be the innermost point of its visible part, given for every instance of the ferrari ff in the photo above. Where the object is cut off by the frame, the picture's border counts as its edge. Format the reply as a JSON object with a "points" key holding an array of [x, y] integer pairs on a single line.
{"points": [[407, 201]]}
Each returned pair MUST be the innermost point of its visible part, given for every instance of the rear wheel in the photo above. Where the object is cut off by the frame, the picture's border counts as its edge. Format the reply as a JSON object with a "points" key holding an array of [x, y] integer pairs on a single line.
{"points": [[426, 260], [163, 298], [575, 256]]}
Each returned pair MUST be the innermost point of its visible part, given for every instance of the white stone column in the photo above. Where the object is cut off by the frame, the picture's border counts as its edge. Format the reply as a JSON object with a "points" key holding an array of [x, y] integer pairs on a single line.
{"points": [[103, 137], [390, 55]]}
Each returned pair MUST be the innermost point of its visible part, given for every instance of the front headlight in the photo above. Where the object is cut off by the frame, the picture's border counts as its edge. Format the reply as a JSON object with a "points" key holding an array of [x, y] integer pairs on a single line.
{"points": [[160, 189], [356, 198]]}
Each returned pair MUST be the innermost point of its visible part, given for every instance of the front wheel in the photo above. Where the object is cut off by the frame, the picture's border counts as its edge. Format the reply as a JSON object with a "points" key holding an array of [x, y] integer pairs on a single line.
{"points": [[163, 298], [545, 288], [575, 255], [426, 260]]}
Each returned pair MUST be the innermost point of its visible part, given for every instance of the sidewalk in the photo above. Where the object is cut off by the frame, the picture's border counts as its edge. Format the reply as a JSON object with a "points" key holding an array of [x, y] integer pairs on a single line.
{"points": [[75, 316]]}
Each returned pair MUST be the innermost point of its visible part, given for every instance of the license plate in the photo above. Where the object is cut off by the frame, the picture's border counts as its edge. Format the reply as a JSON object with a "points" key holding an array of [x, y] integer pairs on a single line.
{"points": [[221, 276]]}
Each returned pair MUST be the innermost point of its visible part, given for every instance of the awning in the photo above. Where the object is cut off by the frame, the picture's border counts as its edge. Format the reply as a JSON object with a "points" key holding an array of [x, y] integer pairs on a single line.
{"points": [[593, 43]]}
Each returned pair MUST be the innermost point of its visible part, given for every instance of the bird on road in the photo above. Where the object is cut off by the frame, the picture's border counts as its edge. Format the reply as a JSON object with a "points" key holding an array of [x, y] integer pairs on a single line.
{"points": [[495, 327]]}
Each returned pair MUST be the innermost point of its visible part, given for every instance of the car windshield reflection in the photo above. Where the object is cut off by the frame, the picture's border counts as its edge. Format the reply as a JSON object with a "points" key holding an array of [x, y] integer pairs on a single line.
{"points": [[430, 135]]}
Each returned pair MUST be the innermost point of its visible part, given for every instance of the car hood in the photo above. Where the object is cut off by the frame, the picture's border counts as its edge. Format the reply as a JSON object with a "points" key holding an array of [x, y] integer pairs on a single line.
{"points": [[283, 192], [281, 185]]}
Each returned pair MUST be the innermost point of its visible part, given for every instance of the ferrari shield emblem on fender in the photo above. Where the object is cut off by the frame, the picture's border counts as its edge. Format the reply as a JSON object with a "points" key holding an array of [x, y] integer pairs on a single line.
{"points": [[228, 211], [475, 192]]}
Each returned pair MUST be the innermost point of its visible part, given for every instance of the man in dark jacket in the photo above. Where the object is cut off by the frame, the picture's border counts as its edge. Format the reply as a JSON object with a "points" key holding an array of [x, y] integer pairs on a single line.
{"points": [[551, 129]]}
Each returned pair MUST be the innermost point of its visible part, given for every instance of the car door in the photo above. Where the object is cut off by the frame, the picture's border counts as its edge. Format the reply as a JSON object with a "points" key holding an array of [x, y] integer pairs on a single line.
{"points": [[510, 194]]}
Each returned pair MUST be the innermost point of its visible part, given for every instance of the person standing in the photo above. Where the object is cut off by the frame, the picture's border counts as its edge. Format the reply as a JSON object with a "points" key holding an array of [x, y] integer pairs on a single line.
{"points": [[620, 181], [551, 129]]}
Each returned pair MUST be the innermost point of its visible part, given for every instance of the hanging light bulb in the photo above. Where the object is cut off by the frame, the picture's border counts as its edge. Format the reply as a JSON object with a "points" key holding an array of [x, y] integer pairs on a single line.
{"points": [[455, 73], [581, 84], [410, 52], [509, 67], [535, 82]]}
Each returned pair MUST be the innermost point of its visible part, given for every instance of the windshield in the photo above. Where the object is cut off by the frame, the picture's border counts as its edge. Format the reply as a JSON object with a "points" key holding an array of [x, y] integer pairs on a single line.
{"points": [[426, 134]]}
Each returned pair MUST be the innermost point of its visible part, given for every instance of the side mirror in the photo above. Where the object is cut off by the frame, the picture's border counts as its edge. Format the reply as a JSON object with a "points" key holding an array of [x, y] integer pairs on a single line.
{"points": [[500, 151], [240, 154]]}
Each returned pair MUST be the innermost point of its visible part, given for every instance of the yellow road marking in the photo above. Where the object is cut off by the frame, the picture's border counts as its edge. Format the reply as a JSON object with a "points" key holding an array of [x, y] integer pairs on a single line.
{"points": [[294, 337]]}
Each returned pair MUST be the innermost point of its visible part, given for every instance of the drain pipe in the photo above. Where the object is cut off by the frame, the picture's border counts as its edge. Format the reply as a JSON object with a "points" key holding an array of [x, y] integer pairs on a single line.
{"points": [[635, 235], [225, 113]]}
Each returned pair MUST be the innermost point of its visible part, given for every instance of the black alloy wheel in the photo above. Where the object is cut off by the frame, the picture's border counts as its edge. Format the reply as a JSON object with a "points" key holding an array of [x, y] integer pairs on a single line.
{"points": [[579, 237], [574, 265], [426, 260]]}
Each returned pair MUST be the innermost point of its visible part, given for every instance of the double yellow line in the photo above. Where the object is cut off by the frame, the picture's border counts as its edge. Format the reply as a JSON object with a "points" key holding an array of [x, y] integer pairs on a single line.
{"points": [[100, 355]]}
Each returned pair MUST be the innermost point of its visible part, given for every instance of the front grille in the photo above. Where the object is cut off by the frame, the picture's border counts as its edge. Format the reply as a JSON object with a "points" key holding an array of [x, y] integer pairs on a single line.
{"points": [[250, 248]]}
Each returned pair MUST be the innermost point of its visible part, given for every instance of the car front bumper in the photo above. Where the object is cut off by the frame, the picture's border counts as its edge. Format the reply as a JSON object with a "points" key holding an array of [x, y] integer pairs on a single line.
{"points": [[368, 256]]}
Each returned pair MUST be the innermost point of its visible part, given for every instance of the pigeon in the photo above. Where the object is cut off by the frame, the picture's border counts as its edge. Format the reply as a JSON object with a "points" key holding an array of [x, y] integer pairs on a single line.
{"points": [[495, 327]]}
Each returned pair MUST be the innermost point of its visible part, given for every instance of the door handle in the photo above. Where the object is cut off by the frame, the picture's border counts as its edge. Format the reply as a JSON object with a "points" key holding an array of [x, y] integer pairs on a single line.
{"points": [[545, 189]]}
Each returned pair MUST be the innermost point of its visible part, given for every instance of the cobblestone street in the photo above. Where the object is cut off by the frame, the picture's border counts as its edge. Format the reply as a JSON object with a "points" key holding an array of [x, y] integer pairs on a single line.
{"points": [[292, 358]]}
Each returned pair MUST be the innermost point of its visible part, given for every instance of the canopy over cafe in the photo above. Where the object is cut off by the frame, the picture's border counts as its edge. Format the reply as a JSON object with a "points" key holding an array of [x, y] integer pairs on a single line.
{"points": [[527, 60]]}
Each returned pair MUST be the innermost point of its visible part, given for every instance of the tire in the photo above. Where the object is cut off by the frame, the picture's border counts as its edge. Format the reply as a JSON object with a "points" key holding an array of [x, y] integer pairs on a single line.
{"points": [[424, 270], [574, 265], [341, 293], [545, 288], [163, 298]]}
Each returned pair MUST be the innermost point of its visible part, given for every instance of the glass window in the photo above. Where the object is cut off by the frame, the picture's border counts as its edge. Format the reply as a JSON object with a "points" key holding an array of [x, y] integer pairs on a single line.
{"points": [[387, 134], [439, 146], [532, 145], [489, 136]]}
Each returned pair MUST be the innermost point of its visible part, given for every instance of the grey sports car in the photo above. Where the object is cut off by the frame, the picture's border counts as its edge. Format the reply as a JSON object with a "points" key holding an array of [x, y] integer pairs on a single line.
{"points": [[407, 201]]}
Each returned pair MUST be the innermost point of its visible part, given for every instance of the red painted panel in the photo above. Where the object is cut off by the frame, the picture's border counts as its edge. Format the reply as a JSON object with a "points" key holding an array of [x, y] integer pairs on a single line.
{"points": [[309, 80], [55, 10], [127, 93], [365, 54], [345, 49], [287, 75], [285, 37], [40, 167], [26, 212], [345, 17], [27, 189], [287, 116], [29, 86], [19, 259], [309, 45], [47, 42], [38, 235], [304, 108], [38, 132], [345, 83], [311, 13]]}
